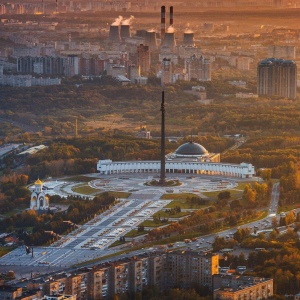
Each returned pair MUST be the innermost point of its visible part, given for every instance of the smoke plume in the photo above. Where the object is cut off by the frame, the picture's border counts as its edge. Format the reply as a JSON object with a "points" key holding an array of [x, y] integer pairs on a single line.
{"points": [[187, 30], [128, 21], [117, 21], [170, 29]]}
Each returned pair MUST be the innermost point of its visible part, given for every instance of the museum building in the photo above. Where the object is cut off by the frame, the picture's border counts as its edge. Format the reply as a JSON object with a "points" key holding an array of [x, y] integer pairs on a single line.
{"points": [[191, 158]]}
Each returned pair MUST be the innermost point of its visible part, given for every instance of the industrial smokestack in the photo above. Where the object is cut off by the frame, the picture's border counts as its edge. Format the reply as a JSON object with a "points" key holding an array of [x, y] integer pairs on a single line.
{"points": [[171, 15], [125, 31], [163, 22], [169, 40], [188, 39], [151, 40], [114, 34]]}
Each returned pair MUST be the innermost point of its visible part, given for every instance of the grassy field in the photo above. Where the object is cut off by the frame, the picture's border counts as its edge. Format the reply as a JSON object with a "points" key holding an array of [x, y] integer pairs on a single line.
{"points": [[135, 232], [164, 214], [235, 193], [5, 250], [287, 208], [115, 244], [84, 189], [79, 178], [151, 223], [119, 194], [13, 212], [184, 205], [182, 196]]}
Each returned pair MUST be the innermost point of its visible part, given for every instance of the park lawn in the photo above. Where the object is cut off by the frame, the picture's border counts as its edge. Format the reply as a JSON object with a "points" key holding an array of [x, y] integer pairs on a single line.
{"points": [[135, 232], [287, 208], [79, 178], [151, 223], [13, 212], [184, 205], [116, 243], [236, 192], [117, 194], [5, 250], [260, 215], [84, 189], [164, 214], [182, 196]]}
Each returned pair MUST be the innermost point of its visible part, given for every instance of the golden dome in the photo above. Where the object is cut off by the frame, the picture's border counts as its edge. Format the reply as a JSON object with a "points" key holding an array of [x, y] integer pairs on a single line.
{"points": [[38, 182]]}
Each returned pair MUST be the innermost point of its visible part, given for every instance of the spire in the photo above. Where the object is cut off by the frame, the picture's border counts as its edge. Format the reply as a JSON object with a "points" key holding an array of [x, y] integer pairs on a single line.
{"points": [[162, 142]]}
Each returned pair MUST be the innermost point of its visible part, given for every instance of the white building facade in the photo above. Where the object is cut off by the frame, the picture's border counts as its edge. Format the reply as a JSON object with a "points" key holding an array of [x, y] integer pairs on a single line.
{"points": [[190, 158], [243, 170]]}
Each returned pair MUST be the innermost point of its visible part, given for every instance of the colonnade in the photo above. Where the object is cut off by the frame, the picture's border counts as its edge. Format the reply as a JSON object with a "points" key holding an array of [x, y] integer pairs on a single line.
{"points": [[242, 170]]}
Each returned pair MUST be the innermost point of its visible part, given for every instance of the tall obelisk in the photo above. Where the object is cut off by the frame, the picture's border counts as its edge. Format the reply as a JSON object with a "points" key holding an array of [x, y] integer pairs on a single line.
{"points": [[162, 179]]}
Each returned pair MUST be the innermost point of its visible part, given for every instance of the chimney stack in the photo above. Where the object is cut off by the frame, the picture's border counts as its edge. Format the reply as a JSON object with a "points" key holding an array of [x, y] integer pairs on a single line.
{"points": [[163, 22], [114, 34], [188, 39], [151, 40], [169, 40], [125, 31]]}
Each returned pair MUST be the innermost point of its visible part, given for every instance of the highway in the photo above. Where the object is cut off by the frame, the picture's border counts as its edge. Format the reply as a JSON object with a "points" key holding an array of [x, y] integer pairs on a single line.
{"points": [[274, 200]]}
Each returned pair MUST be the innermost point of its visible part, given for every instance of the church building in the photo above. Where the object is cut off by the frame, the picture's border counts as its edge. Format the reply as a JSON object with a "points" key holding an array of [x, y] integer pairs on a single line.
{"points": [[38, 200]]}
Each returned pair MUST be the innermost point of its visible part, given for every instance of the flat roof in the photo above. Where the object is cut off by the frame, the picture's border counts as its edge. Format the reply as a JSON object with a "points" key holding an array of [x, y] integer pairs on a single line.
{"points": [[8, 148], [33, 150]]}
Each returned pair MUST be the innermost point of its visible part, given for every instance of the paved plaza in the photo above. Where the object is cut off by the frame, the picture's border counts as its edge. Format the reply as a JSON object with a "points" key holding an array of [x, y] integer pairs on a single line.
{"points": [[189, 184], [92, 240]]}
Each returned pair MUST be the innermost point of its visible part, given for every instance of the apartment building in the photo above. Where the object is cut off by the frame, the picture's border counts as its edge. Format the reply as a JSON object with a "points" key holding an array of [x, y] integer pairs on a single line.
{"points": [[236, 287], [143, 59], [198, 68], [184, 269], [98, 283], [277, 77]]}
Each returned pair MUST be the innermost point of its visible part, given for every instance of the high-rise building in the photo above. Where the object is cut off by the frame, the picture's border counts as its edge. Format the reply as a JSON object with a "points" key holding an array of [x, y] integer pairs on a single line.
{"points": [[277, 77], [143, 59], [190, 268], [166, 71], [2, 9], [198, 68]]}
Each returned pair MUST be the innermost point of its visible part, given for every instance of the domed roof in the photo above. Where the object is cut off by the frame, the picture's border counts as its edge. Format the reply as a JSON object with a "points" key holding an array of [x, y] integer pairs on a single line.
{"points": [[191, 148], [38, 182]]}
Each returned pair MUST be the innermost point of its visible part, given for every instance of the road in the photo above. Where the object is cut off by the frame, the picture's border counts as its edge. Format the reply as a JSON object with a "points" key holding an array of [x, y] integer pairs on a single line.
{"points": [[274, 200], [25, 127], [263, 224]]}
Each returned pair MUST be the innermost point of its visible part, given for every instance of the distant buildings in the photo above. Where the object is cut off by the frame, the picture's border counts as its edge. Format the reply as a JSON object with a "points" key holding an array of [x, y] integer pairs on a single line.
{"points": [[166, 72], [27, 80], [198, 68], [285, 52], [143, 59], [143, 133], [277, 77]]}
